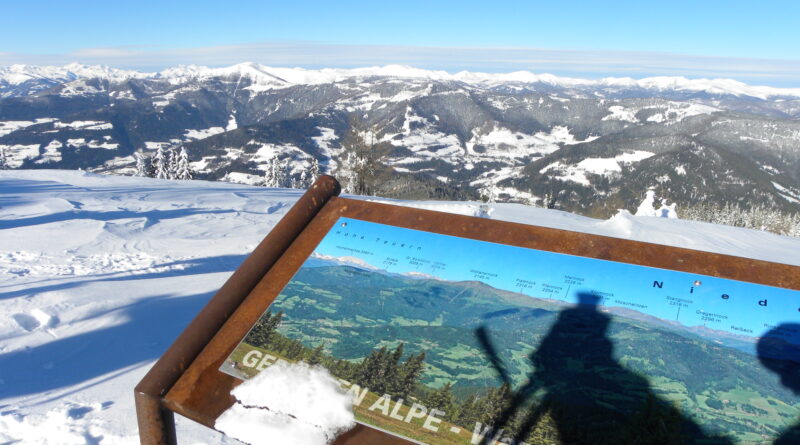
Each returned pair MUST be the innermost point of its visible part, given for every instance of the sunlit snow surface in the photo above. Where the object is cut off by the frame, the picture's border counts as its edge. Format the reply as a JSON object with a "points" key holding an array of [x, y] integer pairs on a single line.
{"points": [[99, 274]]}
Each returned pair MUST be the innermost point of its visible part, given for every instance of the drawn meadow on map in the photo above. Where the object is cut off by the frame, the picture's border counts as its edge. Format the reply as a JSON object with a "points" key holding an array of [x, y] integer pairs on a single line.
{"points": [[446, 340]]}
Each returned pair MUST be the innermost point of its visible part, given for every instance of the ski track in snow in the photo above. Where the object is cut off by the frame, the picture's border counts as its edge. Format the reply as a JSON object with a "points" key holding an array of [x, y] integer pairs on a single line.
{"points": [[99, 274]]}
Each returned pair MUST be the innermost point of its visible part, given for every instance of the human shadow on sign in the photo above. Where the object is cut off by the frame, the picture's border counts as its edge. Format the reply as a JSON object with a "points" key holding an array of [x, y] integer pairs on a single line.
{"points": [[783, 357], [584, 394]]}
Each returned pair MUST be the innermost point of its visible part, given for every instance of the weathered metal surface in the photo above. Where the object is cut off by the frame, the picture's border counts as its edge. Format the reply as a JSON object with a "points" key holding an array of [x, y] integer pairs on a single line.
{"points": [[364, 435], [156, 425], [203, 392], [156, 422]]}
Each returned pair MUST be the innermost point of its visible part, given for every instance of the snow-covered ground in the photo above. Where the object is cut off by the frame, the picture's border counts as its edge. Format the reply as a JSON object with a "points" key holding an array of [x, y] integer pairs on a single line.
{"points": [[99, 274]]}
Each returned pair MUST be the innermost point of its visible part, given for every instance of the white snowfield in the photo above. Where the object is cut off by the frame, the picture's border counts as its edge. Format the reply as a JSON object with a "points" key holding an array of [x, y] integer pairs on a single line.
{"points": [[99, 274]]}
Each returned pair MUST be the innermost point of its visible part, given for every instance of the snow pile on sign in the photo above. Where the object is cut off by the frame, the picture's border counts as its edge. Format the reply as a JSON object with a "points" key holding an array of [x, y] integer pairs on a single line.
{"points": [[288, 403], [99, 275]]}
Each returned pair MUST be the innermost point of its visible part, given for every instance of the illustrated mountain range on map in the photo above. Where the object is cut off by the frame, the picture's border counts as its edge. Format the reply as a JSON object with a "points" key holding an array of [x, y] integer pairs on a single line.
{"points": [[742, 342]]}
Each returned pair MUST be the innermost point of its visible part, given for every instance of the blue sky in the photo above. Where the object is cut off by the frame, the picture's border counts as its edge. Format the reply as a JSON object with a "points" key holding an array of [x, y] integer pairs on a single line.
{"points": [[561, 277], [752, 41]]}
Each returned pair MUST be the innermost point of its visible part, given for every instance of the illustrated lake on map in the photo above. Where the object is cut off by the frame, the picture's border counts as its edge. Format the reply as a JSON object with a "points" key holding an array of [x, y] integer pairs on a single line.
{"points": [[587, 348]]}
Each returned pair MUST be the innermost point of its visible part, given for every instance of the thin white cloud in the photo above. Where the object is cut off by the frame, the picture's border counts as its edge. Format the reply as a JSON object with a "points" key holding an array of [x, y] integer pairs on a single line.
{"points": [[591, 64], [105, 53]]}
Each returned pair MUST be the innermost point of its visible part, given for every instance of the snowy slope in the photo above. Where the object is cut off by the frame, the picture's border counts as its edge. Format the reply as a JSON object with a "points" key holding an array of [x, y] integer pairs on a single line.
{"points": [[98, 274]]}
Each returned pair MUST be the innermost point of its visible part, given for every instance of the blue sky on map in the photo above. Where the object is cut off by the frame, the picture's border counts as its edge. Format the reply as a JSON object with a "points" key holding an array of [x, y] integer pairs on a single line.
{"points": [[751, 41]]}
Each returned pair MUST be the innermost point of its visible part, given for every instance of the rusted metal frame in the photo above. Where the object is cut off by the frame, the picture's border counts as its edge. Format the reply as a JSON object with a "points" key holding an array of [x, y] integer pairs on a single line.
{"points": [[156, 423]]}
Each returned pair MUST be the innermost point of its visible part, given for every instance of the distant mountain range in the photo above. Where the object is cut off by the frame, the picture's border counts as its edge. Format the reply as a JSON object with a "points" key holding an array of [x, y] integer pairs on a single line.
{"points": [[592, 145]]}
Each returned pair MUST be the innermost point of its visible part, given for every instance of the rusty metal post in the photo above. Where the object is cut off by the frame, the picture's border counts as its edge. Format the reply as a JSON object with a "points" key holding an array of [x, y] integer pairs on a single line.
{"points": [[156, 423]]}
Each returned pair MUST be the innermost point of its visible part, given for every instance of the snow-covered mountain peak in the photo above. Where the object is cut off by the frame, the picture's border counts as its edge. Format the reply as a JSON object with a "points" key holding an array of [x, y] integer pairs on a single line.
{"points": [[17, 74], [254, 71], [265, 77]]}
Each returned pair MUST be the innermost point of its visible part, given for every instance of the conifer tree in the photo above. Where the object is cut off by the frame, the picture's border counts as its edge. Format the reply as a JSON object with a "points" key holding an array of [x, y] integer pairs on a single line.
{"points": [[393, 370], [495, 403], [346, 173], [315, 171], [141, 165], [160, 164], [489, 192], [371, 372], [172, 163], [410, 374], [281, 178], [360, 161], [470, 411], [315, 357], [275, 175], [262, 331], [295, 350], [269, 174], [377, 370], [304, 180], [757, 217], [442, 399], [183, 171], [3, 159]]}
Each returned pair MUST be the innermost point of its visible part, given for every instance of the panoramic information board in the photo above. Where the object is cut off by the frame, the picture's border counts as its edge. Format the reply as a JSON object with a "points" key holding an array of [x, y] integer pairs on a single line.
{"points": [[438, 337]]}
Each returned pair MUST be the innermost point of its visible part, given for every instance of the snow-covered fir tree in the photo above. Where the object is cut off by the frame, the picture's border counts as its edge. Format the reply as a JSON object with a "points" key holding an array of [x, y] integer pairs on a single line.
{"points": [[160, 164], [315, 171], [489, 192], [795, 227], [172, 163], [183, 170], [141, 165], [346, 173], [360, 161], [275, 174], [282, 176], [269, 174], [304, 182], [3, 160], [550, 200], [760, 217]]}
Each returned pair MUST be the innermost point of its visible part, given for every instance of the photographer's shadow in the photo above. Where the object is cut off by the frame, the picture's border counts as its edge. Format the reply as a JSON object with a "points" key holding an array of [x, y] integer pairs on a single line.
{"points": [[783, 358], [588, 396]]}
